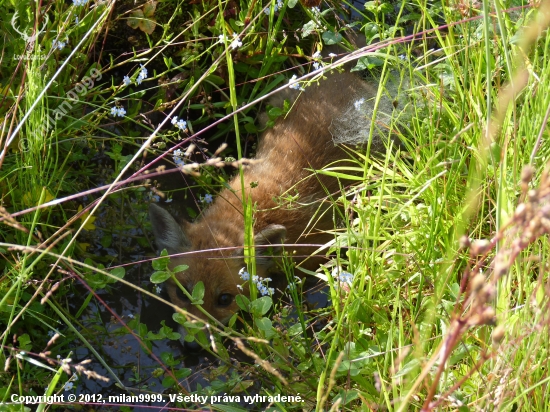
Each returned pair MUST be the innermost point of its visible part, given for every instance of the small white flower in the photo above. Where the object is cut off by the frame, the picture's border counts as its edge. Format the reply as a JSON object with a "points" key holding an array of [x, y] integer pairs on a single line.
{"points": [[207, 198], [342, 276], [346, 277], [244, 274], [294, 83], [131, 316], [262, 289], [158, 289], [51, 333], [316, 65], [80, 2], [221, 38], [126, 80], [76, 19], [114, 111], [240, 287], [143, 72], [332, 55], [316, 55], [58, 44], [236, 43], [358, 104], [68, 386], [179, 123]]}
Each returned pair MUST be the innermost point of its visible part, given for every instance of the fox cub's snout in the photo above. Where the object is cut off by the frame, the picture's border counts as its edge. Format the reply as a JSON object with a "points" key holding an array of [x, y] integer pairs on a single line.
{"points": [[212, 246]]}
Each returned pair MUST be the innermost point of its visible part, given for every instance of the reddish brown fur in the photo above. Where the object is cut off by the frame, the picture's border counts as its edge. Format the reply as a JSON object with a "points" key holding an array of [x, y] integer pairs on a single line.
{"points": [[299, 142]]}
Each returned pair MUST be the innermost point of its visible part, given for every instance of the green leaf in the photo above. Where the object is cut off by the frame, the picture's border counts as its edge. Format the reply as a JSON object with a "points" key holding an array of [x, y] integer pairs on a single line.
{"points": [[193, 326], [135, 18], [118, 272], [331, 38], [368, 62], [149, 8], [183, 373], [162, 262], [260, 306], [243, 302], [168, 359], [159, 277], [198, 293], [250, 128], [264, 324], [180, 268], [24, 342], [275, 112], [179, 318]]}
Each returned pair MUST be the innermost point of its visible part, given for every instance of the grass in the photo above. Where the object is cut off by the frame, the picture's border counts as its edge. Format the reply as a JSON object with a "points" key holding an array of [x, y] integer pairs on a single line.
{"points": [[445, 235]]}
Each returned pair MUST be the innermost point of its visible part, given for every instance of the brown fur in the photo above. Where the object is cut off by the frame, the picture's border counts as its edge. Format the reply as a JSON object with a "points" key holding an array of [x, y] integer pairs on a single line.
{"points": [[299, 142]]}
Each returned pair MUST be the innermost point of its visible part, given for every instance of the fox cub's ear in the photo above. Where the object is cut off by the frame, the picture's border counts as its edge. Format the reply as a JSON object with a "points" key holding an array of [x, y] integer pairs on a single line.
{"points": [[168, 232], [270, 235]]}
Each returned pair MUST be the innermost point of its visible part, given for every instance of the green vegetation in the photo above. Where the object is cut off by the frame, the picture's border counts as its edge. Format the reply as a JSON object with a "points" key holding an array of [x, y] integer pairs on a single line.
{"points": [[438, 282]]}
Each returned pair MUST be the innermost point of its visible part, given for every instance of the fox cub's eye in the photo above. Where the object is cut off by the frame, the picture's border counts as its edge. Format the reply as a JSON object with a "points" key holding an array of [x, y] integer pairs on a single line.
{"points": [[225, 299], [181, 295]]}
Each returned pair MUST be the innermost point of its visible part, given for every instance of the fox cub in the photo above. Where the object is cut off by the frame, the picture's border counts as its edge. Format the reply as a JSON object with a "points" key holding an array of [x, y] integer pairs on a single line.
{"points": [[287, 154]]}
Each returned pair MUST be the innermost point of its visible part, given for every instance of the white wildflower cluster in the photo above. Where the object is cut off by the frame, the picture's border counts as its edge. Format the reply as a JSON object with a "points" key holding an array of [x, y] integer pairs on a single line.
{"points": [[142, 74], [69, 385], [292, 286], [118, 111], [178, 158], [60, 45], [294, 83], [261, 283], [180, 124], [317, 60], [276, 7], [140, 78], [342, 275], [357, 104], [235, 43], [80, 2]]}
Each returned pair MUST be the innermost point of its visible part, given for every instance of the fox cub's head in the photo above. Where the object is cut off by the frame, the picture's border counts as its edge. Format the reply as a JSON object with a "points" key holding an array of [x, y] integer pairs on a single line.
{"points": [[213, 250]]}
